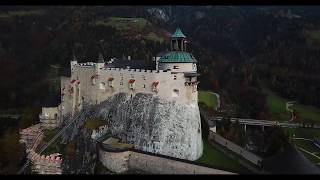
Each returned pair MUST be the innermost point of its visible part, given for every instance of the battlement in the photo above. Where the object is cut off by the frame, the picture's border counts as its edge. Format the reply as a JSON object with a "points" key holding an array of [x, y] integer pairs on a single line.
{"points": [[87, 64], [43, 164], [129, 70], [35, 129], [52, 159]]}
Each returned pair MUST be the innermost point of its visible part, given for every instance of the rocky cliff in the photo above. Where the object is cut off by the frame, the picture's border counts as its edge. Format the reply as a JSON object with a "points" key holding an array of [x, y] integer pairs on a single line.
{"points": [[154, 125], [150, 123]]}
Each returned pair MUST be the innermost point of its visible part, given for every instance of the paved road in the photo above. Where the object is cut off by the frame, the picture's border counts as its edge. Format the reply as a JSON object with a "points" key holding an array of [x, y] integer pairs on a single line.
{"points": [[266, 122]]}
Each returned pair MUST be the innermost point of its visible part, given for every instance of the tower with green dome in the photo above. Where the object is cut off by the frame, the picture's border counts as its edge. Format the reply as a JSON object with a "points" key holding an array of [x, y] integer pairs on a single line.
{"points": [[178, 59]]}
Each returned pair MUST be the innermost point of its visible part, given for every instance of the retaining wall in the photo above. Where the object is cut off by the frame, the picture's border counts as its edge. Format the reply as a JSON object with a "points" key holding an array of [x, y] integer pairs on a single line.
{"points": [[122, 161]]}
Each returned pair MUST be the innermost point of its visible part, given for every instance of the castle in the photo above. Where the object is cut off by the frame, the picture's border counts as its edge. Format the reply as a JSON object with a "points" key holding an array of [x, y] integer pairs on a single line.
{"points": [[175, 127], [173, 78]]}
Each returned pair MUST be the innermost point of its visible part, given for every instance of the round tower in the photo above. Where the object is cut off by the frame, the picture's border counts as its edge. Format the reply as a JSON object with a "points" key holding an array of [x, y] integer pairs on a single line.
{"points": [[178, 59]]}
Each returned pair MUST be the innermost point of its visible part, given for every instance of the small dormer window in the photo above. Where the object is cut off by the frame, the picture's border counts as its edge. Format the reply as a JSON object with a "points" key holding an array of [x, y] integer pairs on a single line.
{"points": [[155, 86], [110, 81], [131, 83]]}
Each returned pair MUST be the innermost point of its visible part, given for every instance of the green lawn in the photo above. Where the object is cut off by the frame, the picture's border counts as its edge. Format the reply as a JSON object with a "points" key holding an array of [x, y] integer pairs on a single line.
{"points": [[308, 112], [315, 35], [124, 23], [21, 13], [307, 145], [208, 98], [94, 123], [214, 157], [277, 107], [303, 132], [154, 37]]}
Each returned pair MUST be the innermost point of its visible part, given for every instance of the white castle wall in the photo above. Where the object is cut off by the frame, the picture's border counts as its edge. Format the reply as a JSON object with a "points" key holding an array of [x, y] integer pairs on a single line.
{"points": [[49, 117], [91, 85], [178, 67]]}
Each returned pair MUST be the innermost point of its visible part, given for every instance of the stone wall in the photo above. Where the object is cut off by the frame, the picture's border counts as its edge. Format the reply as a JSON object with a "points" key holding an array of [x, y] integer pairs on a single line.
{"points": [[160, 165], [50, 117], [115, 161], [121, 162], [42, 164], [31, 136]]}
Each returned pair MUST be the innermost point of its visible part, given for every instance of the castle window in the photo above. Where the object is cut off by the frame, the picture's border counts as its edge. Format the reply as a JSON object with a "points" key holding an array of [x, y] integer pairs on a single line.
{"points": [[175, 67], [71, 90], [194, 66], [131, 83], [155, 86], [175, 93], [102, 86], [174, 77], [144, 86], [93, 78], [110, 81]]}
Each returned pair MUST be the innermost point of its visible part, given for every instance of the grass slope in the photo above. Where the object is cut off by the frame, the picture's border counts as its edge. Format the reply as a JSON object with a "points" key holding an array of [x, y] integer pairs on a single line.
{"points": [[208, 98], [277, 107], [121, 23], [21, 13], [307, 145], [214, 157], [140, 25]]}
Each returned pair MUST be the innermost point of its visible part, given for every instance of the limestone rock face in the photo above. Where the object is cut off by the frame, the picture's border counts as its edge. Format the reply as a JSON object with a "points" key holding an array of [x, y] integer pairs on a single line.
{"points": [[154, 125]]}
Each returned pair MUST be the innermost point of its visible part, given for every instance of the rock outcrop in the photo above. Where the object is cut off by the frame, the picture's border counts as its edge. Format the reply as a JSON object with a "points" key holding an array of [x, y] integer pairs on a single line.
{"points": [[151, 124], [154, 125]]}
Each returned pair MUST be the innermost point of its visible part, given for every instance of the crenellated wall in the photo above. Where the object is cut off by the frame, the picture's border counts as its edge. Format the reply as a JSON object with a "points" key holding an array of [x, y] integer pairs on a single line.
{"points": [[91, 83], [43, 164]]}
